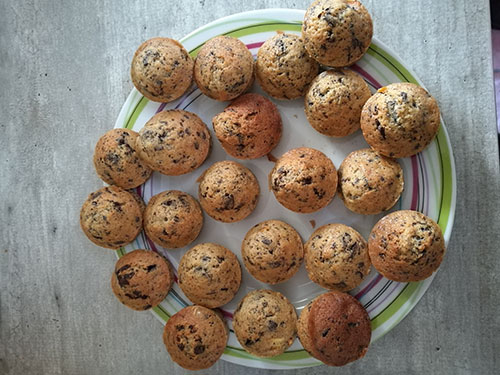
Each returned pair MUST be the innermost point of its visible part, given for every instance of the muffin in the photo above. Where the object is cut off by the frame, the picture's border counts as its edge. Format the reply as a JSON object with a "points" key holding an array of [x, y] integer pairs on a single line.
{"points": [[223, 69], [400, 120], [337, 33], [142, 279], [369, 183], [265, 323], [406, 246], [116, 161], [272, 251], [209, 275], [283, 68], [335, 328], [334, 101], [228, 191], [336, 257], [173, 219], [250, 127], [111, 217], [162, 70], [195, 337], [174, 142], [303, 180]]}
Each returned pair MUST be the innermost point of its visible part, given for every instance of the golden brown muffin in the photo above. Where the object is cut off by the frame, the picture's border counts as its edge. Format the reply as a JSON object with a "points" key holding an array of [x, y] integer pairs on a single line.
{"points": [[369, 183], [336, 257], [223, 69], [228, 191], [265, 323], [250, 127], [303, 180], [116, 161], [334, 101], [174, 142], [173, 219], [335, 328], [283, 68], [272, 251], [142, 279], [406, 246], [111, 217], [400, 120], [337, 33], [162, 70], [195, 337], [209, 275]]}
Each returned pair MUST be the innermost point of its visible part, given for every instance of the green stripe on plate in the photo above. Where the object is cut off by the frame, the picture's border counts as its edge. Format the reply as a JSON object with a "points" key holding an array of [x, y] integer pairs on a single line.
{"points": [[447, 188], [136, 112]]}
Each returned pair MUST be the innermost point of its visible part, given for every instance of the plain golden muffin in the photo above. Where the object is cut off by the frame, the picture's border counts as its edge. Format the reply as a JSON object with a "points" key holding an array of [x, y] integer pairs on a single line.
{"points": [[303, 180], [228, 191], [337, 33], [334, 101], [283, 67], [248, 128], [336, 257], [400, 120], [335, 328], [174, 142], [406, 246], [223, 69], [162, 70], [142, 279], [369, 183], [265, 323], [209, 275], [195, 337], [111, 217], [272, 251], [173, 219], [116, 160]]}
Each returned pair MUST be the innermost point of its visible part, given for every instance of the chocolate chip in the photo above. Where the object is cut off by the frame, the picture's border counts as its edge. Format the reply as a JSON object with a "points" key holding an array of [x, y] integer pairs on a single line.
{"points": [[180, 346], [228, 201], [266, 241], [151, 267], [325, 332], [198, 349], [272, 325]]}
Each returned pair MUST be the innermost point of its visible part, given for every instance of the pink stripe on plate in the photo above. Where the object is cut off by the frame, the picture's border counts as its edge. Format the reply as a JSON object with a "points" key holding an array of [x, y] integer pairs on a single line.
{"points": [[254, 45], [367, 288], [366, 75], [387, 295], [414, 197]]}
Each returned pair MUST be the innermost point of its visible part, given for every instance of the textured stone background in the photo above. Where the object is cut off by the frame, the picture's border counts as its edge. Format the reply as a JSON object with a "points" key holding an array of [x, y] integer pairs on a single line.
{"points": [[63, 79]]}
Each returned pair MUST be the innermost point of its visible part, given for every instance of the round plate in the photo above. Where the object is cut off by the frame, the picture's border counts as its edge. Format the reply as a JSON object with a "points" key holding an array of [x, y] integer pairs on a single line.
{"points": [[430, 185]]}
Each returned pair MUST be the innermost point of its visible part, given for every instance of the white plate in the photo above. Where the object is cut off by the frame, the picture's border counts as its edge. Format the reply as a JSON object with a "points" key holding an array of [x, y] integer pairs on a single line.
{"points": [[430, 185]]}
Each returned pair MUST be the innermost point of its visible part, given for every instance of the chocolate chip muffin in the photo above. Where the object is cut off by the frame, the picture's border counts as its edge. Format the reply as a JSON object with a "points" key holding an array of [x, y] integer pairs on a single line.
{"points": [[400, 120], [336, 257], [228, 191], [272, 251], [209, 275], [265, 323], [334, 101], [406, 246], [142, 279], [116, 160], [111, 217], [250, 127], [337, 33], [195, 337], [303, 180], [174, 142], [173, 219], [162, 70], [369, 183], [335, 328], [223, 69], [283, 68]]}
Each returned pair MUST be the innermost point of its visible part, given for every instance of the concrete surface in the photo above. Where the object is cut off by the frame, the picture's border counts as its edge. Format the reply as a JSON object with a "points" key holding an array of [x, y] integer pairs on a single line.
{"points": [[63, 78]]}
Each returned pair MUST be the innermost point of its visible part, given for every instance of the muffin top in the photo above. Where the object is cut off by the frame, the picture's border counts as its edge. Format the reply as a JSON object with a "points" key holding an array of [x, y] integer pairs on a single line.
{"points": [[161, 70], [400, 120], [223, 69], [406, 246], [283, 68], [337, 33], [250, 127]]}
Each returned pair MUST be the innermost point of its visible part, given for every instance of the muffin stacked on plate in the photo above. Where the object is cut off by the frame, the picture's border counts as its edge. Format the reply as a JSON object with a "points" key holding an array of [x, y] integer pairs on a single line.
{"points": [[399, 120]]}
